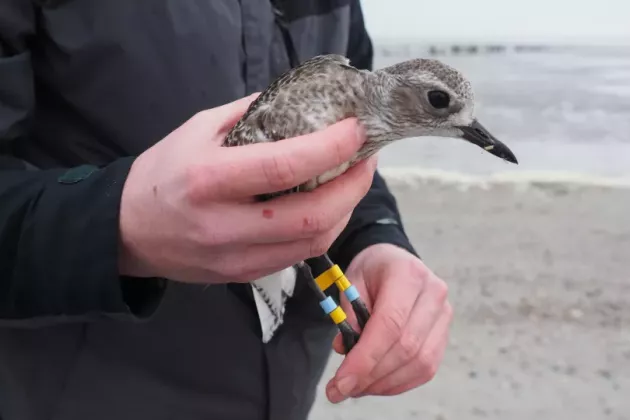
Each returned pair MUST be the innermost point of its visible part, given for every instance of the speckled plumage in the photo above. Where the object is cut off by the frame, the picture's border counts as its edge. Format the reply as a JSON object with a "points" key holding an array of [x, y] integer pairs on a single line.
{"points": [[327, 89], [392, 103]]}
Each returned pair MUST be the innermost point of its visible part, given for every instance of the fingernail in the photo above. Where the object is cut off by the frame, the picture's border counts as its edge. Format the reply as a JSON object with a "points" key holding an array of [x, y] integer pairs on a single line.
{"points": [[333, 395], [347, 385]]}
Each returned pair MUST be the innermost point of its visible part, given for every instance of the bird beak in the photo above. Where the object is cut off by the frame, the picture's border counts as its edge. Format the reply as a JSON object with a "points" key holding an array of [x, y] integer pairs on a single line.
{"points": [[477, 134]]}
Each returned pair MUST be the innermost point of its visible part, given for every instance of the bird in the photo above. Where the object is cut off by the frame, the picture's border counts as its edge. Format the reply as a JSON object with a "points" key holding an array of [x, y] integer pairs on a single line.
{"points": [[415, 98]]}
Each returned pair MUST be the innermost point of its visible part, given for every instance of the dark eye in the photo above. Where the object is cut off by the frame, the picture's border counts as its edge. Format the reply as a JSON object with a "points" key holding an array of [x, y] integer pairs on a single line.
{"points": [[439, 99]]}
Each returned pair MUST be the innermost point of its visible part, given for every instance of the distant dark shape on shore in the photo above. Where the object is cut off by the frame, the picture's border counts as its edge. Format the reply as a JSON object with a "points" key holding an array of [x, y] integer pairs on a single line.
{"points": [[496, 48], [529, 48], [434, 50]]}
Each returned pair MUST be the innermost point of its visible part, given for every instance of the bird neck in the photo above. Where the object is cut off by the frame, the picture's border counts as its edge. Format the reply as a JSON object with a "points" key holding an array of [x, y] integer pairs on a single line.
{"points": [[377, 111]]}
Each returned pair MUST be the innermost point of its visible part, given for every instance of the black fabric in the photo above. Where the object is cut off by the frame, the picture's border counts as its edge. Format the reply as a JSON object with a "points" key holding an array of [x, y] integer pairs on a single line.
{"points": [[72, 220], [298, 9], [85, 86]]}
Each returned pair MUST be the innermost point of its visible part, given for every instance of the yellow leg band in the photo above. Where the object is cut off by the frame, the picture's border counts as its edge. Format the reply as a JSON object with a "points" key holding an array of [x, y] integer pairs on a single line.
{"points": [[343, 283], [338, 315], [328, 277]]}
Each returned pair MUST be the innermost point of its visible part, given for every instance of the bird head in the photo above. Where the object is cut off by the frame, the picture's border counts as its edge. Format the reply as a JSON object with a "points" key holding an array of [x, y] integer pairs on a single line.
{"points": [[426, 97]]}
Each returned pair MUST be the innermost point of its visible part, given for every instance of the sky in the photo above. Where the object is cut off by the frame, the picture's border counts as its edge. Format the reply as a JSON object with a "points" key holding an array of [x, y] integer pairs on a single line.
{"points": [[517, 20]]}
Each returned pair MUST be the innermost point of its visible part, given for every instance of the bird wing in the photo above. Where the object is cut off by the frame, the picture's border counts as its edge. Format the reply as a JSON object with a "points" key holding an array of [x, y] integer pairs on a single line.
{"points": [[307, 98]]}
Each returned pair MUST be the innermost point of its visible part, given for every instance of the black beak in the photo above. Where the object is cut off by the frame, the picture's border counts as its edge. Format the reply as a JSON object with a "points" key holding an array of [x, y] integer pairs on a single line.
{"points": [[477, 134]]}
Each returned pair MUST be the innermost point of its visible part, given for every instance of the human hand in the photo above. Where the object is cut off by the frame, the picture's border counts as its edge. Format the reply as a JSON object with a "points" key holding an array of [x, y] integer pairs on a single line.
{"points": [[188, 213], [406, 336]]}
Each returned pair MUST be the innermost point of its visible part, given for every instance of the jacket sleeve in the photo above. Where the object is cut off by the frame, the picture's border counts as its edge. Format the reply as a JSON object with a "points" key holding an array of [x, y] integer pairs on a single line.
{"points": [[58, 228], [376, 219]]}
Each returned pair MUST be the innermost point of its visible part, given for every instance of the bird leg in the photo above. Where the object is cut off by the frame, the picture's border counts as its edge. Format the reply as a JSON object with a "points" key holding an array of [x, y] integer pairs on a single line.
{"points": [[328, 274]]}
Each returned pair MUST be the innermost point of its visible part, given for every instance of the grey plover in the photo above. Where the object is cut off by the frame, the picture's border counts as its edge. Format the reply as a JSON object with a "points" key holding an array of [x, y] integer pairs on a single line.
{"points": [[414, 98]]}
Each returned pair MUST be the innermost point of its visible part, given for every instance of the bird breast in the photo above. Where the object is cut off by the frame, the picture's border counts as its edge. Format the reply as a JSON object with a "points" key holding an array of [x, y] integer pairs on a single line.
{"points": [[326, 177]]}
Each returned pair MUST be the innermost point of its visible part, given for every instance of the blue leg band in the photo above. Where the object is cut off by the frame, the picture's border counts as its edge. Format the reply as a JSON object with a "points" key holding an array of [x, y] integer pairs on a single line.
{"points": [[352, 293], [328, 305]]}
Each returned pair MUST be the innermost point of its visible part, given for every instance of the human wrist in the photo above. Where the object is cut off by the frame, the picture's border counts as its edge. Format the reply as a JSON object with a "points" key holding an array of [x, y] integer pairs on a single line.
{"points": [[130, 260]]}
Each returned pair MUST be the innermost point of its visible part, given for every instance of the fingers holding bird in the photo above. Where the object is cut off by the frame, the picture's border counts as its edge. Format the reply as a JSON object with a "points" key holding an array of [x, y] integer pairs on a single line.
{"points": [[422, 366], [406, 337]]}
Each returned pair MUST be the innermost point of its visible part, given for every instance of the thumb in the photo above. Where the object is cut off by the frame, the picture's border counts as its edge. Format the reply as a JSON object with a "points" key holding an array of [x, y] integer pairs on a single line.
{"points": [[352, 318]]}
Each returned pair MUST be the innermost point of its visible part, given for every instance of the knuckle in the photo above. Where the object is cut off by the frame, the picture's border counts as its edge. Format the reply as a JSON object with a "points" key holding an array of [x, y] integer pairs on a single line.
{"points": [[420, 274], [317, 223], [201, 117], [208, 181], [394, 321], [212, 236], [206, 237], [366, 363], [196, 117], [418, 270], [208, 114], [231, 266], [441, 290], [410, 345], [310, 225], [426, 366], [338, 228], [448, 309], [319, 246], [322, 243], [234, 271], [195, 183], [279, 172]]}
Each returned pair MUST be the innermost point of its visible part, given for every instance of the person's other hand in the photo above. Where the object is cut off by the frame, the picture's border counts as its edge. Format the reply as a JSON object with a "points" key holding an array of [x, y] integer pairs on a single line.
{"points": [[188, 213], [406, 336]]}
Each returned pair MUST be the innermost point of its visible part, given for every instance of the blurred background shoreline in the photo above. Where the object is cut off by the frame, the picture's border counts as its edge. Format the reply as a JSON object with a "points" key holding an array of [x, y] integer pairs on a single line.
{"points": [[563, 109]]}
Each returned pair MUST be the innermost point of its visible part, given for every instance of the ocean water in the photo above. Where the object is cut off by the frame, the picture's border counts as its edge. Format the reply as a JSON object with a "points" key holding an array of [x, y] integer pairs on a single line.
{"points": [[564, 111]]}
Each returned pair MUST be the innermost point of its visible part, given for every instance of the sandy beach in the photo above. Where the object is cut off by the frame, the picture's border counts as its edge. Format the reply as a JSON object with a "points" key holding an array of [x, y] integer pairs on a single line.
{"points": [[539, 275]]}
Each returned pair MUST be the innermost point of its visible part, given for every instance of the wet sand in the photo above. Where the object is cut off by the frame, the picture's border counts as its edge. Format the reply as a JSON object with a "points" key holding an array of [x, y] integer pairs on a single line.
{"points": [[539, 276]]}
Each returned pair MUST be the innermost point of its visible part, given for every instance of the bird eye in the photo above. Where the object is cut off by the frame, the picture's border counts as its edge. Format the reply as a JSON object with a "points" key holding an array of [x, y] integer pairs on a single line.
{"points": [[439, 99]]}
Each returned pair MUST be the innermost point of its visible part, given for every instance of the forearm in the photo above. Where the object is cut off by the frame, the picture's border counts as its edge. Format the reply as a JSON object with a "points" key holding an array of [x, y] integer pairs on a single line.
{"points": [[59, 234]]}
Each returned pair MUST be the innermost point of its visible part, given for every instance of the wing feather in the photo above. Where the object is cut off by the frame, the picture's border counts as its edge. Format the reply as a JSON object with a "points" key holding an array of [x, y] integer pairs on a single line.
{"points": [[296, 103]]}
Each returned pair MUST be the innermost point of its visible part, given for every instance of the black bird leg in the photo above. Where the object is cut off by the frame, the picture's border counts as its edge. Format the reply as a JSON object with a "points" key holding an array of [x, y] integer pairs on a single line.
{"points": [[349, 336], [323, 266], [326, 274]]}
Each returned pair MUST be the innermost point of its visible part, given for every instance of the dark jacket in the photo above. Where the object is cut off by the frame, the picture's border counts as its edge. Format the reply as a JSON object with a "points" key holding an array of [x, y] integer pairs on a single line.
{"points": [[86, 85]]}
